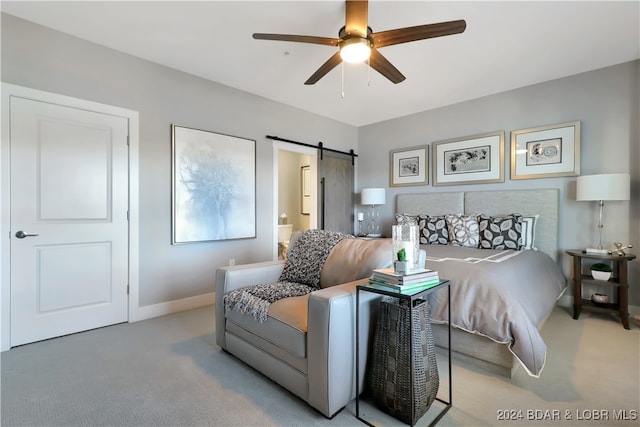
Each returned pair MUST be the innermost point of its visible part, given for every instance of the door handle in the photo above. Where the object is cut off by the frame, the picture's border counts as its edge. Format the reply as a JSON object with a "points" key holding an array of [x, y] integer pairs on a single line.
{"points": [[21, 235]]}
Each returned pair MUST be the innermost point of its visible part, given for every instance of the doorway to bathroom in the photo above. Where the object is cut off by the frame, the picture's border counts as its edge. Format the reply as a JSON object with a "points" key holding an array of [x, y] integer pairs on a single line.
{"points": [[296, 193], [313, 190]]}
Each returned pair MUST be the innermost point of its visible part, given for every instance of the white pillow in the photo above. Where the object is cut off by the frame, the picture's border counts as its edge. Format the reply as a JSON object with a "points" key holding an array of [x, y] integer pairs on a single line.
{"points": [[529, 231]]}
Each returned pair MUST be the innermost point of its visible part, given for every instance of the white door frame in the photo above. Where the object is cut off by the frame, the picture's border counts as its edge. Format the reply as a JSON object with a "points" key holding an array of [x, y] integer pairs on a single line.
{"points": [[286, 146], [8, 91]]}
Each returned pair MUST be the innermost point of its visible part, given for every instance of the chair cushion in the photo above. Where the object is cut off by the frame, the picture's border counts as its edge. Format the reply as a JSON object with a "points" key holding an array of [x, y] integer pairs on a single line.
{"points": [[286, 325], [353, 259]]}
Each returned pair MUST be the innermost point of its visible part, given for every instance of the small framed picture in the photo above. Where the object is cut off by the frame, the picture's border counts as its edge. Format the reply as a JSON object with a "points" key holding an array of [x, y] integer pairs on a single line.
{"points": [[477, 159], [546, 151], [408, 166], [305, 185]]}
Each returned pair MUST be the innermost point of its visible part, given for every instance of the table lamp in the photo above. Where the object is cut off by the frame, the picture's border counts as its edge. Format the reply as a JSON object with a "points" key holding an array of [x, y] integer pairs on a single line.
{"points": [[373, 197], [613, 186]]}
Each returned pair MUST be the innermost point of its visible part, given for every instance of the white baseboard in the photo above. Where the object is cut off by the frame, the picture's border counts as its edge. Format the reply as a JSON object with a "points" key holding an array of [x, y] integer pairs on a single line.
{"points": [[164, 308], [566, 301]]}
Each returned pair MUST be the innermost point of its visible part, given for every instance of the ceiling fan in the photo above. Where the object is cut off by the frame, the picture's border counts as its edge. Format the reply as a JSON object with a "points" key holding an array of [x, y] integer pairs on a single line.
{"points": [[357, 42]]}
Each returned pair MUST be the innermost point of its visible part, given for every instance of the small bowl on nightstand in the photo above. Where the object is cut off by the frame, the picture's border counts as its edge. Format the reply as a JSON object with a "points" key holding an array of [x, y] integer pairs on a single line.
{"points": [[600, 299], [601, 275]]}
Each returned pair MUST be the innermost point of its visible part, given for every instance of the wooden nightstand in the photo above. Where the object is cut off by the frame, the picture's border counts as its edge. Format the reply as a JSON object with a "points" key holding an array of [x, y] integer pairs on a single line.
{"points": [[619, 280]]}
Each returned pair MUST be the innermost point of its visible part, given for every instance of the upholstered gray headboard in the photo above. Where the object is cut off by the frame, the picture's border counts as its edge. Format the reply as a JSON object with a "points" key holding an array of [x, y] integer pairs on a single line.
{"points": [[527, 202]]}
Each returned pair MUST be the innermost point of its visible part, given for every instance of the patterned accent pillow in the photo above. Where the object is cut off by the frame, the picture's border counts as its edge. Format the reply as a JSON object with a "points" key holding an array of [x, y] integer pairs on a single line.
{"points": [[406, 219], [529, 231], [463, 230], [308, 255], [409, 219], [433, 230], [502, 232]]}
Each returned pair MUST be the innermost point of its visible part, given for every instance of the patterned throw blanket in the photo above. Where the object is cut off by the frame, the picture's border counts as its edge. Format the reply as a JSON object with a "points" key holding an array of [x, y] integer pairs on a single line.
{"points": [[301, 275]]}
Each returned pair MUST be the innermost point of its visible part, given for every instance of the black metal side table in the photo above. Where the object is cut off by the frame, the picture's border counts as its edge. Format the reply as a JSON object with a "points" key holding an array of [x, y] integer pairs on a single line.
{"points": [[410, 296]]}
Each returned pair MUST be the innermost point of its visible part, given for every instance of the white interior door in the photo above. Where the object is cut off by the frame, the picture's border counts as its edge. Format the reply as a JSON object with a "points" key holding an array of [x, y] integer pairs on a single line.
{"points": [[69, 195]]}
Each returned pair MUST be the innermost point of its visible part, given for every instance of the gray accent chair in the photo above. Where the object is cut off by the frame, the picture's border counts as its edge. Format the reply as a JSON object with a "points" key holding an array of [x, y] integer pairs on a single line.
{"points": [[307, 345]]}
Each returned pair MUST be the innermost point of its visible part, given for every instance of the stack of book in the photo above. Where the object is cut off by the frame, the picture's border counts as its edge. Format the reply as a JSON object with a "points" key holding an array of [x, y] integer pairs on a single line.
{"points": [[414, 279]]}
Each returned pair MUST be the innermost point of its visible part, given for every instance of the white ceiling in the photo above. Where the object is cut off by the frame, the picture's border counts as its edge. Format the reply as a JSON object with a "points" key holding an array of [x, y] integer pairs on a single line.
{"points": [[506, 45]]}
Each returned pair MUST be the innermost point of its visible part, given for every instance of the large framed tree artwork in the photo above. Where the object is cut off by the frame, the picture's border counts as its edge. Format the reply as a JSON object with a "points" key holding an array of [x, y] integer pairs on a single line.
{"points": [[213, 186]]}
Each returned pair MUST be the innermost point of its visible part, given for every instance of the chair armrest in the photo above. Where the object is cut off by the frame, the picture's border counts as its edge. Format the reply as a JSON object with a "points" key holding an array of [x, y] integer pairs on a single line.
{"points": [[235, 277], [240, 276], [331, 341]]}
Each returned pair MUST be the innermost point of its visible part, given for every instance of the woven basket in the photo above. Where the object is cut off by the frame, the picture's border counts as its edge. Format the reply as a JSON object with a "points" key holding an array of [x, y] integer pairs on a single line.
{"points": [[389, 380]]}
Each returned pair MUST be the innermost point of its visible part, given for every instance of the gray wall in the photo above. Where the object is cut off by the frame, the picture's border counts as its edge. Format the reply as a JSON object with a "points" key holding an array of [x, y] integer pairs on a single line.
{"points": [[39, 58], [605, 101]]}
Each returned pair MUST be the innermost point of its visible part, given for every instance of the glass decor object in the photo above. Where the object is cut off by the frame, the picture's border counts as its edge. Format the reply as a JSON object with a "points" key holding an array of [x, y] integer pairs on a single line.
{"points": [[406, 237]]}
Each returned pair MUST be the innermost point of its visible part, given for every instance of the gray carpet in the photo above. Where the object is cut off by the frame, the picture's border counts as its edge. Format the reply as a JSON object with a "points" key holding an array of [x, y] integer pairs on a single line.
{"points": [[168, 371]]}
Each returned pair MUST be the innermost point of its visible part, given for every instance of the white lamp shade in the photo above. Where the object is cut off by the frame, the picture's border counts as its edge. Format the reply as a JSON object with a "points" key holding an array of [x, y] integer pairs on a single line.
{"points": [[373, 196], [613, 186]]}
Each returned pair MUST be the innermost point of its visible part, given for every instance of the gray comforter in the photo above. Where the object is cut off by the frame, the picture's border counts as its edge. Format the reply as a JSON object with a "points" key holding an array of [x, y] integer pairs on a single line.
{"points": [[502, 294]]}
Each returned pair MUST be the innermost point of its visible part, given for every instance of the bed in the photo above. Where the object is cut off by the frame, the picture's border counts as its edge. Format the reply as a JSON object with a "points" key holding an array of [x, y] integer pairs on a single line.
{"points": [[500, 297]]}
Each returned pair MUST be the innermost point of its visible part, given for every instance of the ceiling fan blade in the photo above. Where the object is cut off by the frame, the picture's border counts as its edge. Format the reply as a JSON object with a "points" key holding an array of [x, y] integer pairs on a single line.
{"points": [[419, 32], [357, 14], [324, 69], [294, 38], [384, 67]]}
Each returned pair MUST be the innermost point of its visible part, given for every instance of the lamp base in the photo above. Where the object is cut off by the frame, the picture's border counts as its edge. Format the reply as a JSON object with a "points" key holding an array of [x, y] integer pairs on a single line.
{"points": [[597, 251]]}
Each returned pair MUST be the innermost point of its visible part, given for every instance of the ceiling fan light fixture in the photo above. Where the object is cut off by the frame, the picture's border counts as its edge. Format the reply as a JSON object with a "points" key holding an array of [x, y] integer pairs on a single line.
{"points": [[355, 49], [357, 42]]}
